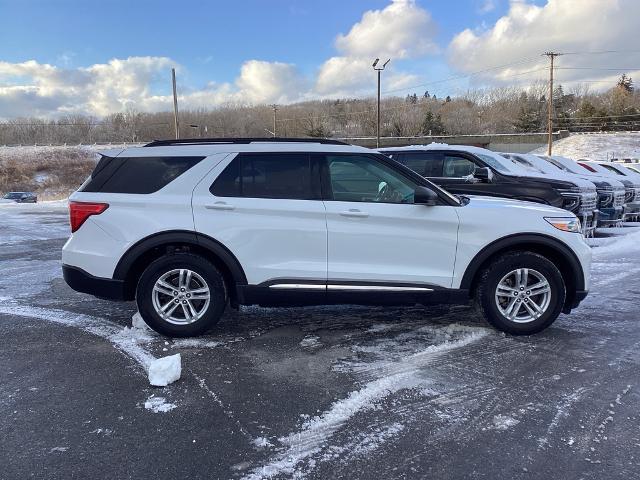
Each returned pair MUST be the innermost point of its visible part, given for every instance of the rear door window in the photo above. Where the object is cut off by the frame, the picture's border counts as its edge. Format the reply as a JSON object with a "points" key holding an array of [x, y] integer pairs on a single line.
{"points": [[137, 174], [272, 175]]}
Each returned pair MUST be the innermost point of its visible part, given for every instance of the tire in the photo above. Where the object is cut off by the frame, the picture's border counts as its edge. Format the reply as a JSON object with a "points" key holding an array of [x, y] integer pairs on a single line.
{"points": [[494, 304], [188, 317]]}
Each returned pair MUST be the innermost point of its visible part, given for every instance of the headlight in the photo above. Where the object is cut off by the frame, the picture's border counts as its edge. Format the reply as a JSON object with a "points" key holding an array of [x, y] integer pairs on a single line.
{"points": [[571, 200], [605, 198], [565, 224]]}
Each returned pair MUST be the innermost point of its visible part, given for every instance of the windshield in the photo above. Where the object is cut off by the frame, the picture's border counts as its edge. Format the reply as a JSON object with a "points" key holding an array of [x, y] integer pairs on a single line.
{"points": [[556, 163], [500, 164], [613, 169], [524, 163]]}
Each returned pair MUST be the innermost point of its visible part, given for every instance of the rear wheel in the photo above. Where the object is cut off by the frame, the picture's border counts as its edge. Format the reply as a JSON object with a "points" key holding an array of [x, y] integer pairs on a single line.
{"points": [[181, 295], [521, 293]]}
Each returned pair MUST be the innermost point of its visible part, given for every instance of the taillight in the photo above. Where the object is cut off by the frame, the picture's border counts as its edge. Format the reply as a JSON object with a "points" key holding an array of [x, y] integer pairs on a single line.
{"points": [[80, 211]]}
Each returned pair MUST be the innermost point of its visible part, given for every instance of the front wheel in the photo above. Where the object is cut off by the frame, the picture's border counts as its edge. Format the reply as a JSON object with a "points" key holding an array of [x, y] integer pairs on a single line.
{"points": [[521, 293], [181, 295]]}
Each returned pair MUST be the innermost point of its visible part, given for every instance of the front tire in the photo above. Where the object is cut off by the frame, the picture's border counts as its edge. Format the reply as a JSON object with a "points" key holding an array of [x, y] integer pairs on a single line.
{"points": [[521, 293], [181, 295]]}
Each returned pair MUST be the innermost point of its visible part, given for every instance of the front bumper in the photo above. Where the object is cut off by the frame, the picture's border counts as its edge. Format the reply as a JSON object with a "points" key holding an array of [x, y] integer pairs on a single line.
{"points": [[84, 282], [631, 210], [610, 216]]}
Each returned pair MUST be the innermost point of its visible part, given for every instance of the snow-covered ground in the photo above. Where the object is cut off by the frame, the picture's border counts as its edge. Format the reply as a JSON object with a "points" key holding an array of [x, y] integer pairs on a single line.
{"points": [[597, 146], [29, 151]]}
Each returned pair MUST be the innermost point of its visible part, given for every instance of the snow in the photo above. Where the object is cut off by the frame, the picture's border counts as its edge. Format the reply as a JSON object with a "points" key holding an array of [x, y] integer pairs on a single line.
{"points": [[504, 422], [165, 370], [126, 340], [138, 322], [310, 342], [158, 404], [596, 146], [262, 442], [389, 377]]}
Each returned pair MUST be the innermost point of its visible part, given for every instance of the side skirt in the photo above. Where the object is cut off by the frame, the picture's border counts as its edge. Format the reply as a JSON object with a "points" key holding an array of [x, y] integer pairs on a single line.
{"points": [[288, 293]]}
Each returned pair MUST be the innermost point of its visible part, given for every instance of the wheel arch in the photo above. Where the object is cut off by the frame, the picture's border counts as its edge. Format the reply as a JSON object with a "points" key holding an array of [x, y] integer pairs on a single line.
{"points": [[555, 250], [145, 251]]}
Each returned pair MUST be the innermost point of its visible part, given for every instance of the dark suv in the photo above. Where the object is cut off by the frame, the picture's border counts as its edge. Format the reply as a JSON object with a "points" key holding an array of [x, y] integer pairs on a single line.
{"points": [[21, 197], [467, 170]]}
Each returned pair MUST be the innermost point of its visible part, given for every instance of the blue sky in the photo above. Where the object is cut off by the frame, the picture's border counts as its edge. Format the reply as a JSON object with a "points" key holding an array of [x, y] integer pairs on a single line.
{"points": [[281, 50], [211, 38]]}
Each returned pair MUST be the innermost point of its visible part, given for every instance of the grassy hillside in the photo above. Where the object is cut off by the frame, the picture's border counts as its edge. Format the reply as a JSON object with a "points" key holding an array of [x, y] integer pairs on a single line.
{"points": [[52, 172]]}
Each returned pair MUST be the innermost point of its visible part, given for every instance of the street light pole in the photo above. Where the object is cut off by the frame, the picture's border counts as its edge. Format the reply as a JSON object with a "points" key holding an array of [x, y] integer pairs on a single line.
{"points": [[379, 71], [175, 103]]}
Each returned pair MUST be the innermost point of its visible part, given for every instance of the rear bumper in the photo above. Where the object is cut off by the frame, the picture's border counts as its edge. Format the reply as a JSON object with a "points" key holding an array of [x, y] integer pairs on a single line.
{"points": [[84, 282]]}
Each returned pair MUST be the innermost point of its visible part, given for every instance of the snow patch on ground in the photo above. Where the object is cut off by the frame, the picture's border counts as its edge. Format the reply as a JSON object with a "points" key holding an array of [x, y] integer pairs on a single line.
{"points": [[596, 146], [504, 422], [158, 404], [389, 377], [310, 342], [164, 371], [195, 343], [126, 340], [262, 442]]}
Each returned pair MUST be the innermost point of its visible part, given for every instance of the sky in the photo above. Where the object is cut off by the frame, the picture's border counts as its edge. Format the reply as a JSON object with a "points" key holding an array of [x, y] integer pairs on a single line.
{"points": [[60, 57]]}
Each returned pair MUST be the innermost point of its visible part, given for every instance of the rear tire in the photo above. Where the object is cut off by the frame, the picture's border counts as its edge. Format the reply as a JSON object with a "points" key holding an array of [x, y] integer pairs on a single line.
{"points": [[520, 293], [181, 295]]}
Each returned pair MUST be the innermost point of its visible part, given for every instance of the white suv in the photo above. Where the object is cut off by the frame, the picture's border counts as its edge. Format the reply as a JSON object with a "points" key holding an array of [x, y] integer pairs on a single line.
{"points": [[186, 227]]}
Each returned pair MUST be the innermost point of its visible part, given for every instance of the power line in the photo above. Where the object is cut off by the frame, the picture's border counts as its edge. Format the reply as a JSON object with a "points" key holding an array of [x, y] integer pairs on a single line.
{"points": [[461, 77]]}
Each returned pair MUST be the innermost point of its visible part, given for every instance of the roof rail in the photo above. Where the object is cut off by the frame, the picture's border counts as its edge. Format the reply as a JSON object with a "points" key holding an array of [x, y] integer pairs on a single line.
{"points": [[213, 141]]}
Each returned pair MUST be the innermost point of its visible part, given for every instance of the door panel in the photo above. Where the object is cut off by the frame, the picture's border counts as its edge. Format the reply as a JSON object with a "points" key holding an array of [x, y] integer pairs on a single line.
{"points": [[273, 238], [384, 237], [395, 243]]}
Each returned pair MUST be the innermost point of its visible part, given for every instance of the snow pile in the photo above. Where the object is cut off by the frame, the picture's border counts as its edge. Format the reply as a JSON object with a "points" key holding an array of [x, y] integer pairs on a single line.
{"points": [[597, 146], [138, 322], [165, 370], [158, 404]]}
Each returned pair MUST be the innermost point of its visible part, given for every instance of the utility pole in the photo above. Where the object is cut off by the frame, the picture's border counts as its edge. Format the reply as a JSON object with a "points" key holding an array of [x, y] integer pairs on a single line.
{"points": [[378, 70], [275, 118], [175, 103], [552, 56]]}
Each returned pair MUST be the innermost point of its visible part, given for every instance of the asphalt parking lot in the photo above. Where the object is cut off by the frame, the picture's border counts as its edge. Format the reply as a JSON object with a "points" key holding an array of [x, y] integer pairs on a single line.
{"points": [[332, 392]]}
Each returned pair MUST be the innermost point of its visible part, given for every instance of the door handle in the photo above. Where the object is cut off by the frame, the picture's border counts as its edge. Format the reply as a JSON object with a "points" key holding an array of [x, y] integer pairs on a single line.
{"points": [[220, 206], [353, 212]]}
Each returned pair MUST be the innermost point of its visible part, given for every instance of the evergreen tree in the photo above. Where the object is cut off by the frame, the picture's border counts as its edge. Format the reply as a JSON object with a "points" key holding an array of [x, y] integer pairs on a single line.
{"points": [[432, 124], [448, 99], [625, 83]]}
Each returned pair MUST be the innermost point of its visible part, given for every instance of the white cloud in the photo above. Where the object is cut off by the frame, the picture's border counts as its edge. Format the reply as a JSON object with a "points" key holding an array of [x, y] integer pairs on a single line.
{"points": [[402, 30], [32, 88], [487, 6], [528, 30]]}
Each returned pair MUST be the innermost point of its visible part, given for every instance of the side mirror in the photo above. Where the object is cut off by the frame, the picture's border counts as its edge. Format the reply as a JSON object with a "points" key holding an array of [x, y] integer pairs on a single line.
{"points": [[483, 174], [425, 196]]}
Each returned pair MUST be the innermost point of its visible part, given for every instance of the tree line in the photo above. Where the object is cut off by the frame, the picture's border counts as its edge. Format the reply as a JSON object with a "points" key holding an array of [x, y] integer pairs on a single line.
{"points": [[479, 111]]}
